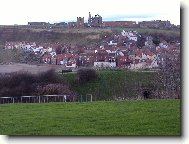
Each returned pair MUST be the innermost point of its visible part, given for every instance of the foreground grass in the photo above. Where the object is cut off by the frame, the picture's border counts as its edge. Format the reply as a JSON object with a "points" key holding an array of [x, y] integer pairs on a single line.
{"points": [[150, 117]]}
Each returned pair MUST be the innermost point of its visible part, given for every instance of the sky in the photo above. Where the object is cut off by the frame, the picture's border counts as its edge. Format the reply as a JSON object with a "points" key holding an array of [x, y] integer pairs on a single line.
{"points": [[24, 11]]}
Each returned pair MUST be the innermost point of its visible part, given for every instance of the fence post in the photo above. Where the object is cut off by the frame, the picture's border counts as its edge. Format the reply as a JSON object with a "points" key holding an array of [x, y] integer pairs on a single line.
{"points": [[91, 98]]}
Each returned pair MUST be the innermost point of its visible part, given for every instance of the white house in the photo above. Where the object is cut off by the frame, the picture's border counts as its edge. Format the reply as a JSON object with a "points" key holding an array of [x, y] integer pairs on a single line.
{"points": [[104, 64], [134, 38], [163, 45], [112, 43], [73, 65], [37, 49], [139, 65], [131, 35]]}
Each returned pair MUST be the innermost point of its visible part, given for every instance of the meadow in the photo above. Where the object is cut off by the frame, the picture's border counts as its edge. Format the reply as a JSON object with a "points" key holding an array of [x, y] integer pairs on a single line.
{"points": [[117, 118]]}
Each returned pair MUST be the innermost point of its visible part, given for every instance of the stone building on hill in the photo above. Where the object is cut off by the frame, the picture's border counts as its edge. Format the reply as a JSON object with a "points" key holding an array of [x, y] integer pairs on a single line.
{"points": [[95, 21], [80, 22]]}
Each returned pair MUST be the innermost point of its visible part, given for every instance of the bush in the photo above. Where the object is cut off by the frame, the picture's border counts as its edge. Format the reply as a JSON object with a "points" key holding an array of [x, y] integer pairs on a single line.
{"points": [[16, 84], [48, 77], [84, 75], [23, 83]]}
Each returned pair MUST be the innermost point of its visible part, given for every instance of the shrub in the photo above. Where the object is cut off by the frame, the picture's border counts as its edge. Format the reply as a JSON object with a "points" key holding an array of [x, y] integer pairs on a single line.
{"points": [[84, 75], [48, 77], [23, 83], [15, 79], [16, 84]]}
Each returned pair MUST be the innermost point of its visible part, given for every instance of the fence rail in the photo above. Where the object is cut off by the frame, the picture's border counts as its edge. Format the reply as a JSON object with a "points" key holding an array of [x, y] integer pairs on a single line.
{"points": [[36, 99], [45, 99]]}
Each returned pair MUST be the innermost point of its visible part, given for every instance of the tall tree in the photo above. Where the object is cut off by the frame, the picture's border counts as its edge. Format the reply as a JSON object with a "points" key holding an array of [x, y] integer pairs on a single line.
{"points": [[168, 78]]}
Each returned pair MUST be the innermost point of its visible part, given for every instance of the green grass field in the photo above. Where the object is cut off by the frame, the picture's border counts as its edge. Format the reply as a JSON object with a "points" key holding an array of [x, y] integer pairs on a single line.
{"points": [[149, 117]]}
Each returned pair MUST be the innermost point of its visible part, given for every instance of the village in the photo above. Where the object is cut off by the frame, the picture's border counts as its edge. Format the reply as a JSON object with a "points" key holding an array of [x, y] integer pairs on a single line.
{"points": [[120, 50]]}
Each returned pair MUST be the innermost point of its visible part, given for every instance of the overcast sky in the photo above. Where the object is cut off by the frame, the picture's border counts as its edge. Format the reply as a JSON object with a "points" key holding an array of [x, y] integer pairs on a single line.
{"points": [[23, 11]]}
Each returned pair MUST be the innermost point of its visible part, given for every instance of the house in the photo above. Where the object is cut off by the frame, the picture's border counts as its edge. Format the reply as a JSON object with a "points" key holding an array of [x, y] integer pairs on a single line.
{"points": [[87, 59], [112, 43], [38, 49], [138, 54], [11, 45], [46, 59], [149, 41], [67, 60], [163, 44], [26, 46], [150, 55], [123, 61], [72, 62], [131, 35], [136, 64], [104, 64]]}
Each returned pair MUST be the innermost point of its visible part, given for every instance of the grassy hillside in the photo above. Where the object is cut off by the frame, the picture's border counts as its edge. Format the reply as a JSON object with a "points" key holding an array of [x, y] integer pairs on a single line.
{"points": [[150, 31], [64, 35], [83, 37], [111, 84], [150, 117]]}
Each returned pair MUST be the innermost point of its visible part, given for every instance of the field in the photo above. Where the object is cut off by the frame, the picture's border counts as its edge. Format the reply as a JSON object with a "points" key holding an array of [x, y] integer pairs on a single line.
{"points": [[150, 117]]}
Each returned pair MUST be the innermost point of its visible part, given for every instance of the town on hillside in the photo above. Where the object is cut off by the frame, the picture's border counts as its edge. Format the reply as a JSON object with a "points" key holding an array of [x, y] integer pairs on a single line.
{"points": [[126, 49]]}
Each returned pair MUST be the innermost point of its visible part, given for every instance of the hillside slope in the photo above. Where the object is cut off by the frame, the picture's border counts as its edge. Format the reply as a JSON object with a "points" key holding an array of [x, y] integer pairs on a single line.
{"points": [[66, 36]]}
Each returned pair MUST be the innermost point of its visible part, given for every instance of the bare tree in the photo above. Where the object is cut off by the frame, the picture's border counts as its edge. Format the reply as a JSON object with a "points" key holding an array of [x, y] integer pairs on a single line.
{"points": [[168, 78]]}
